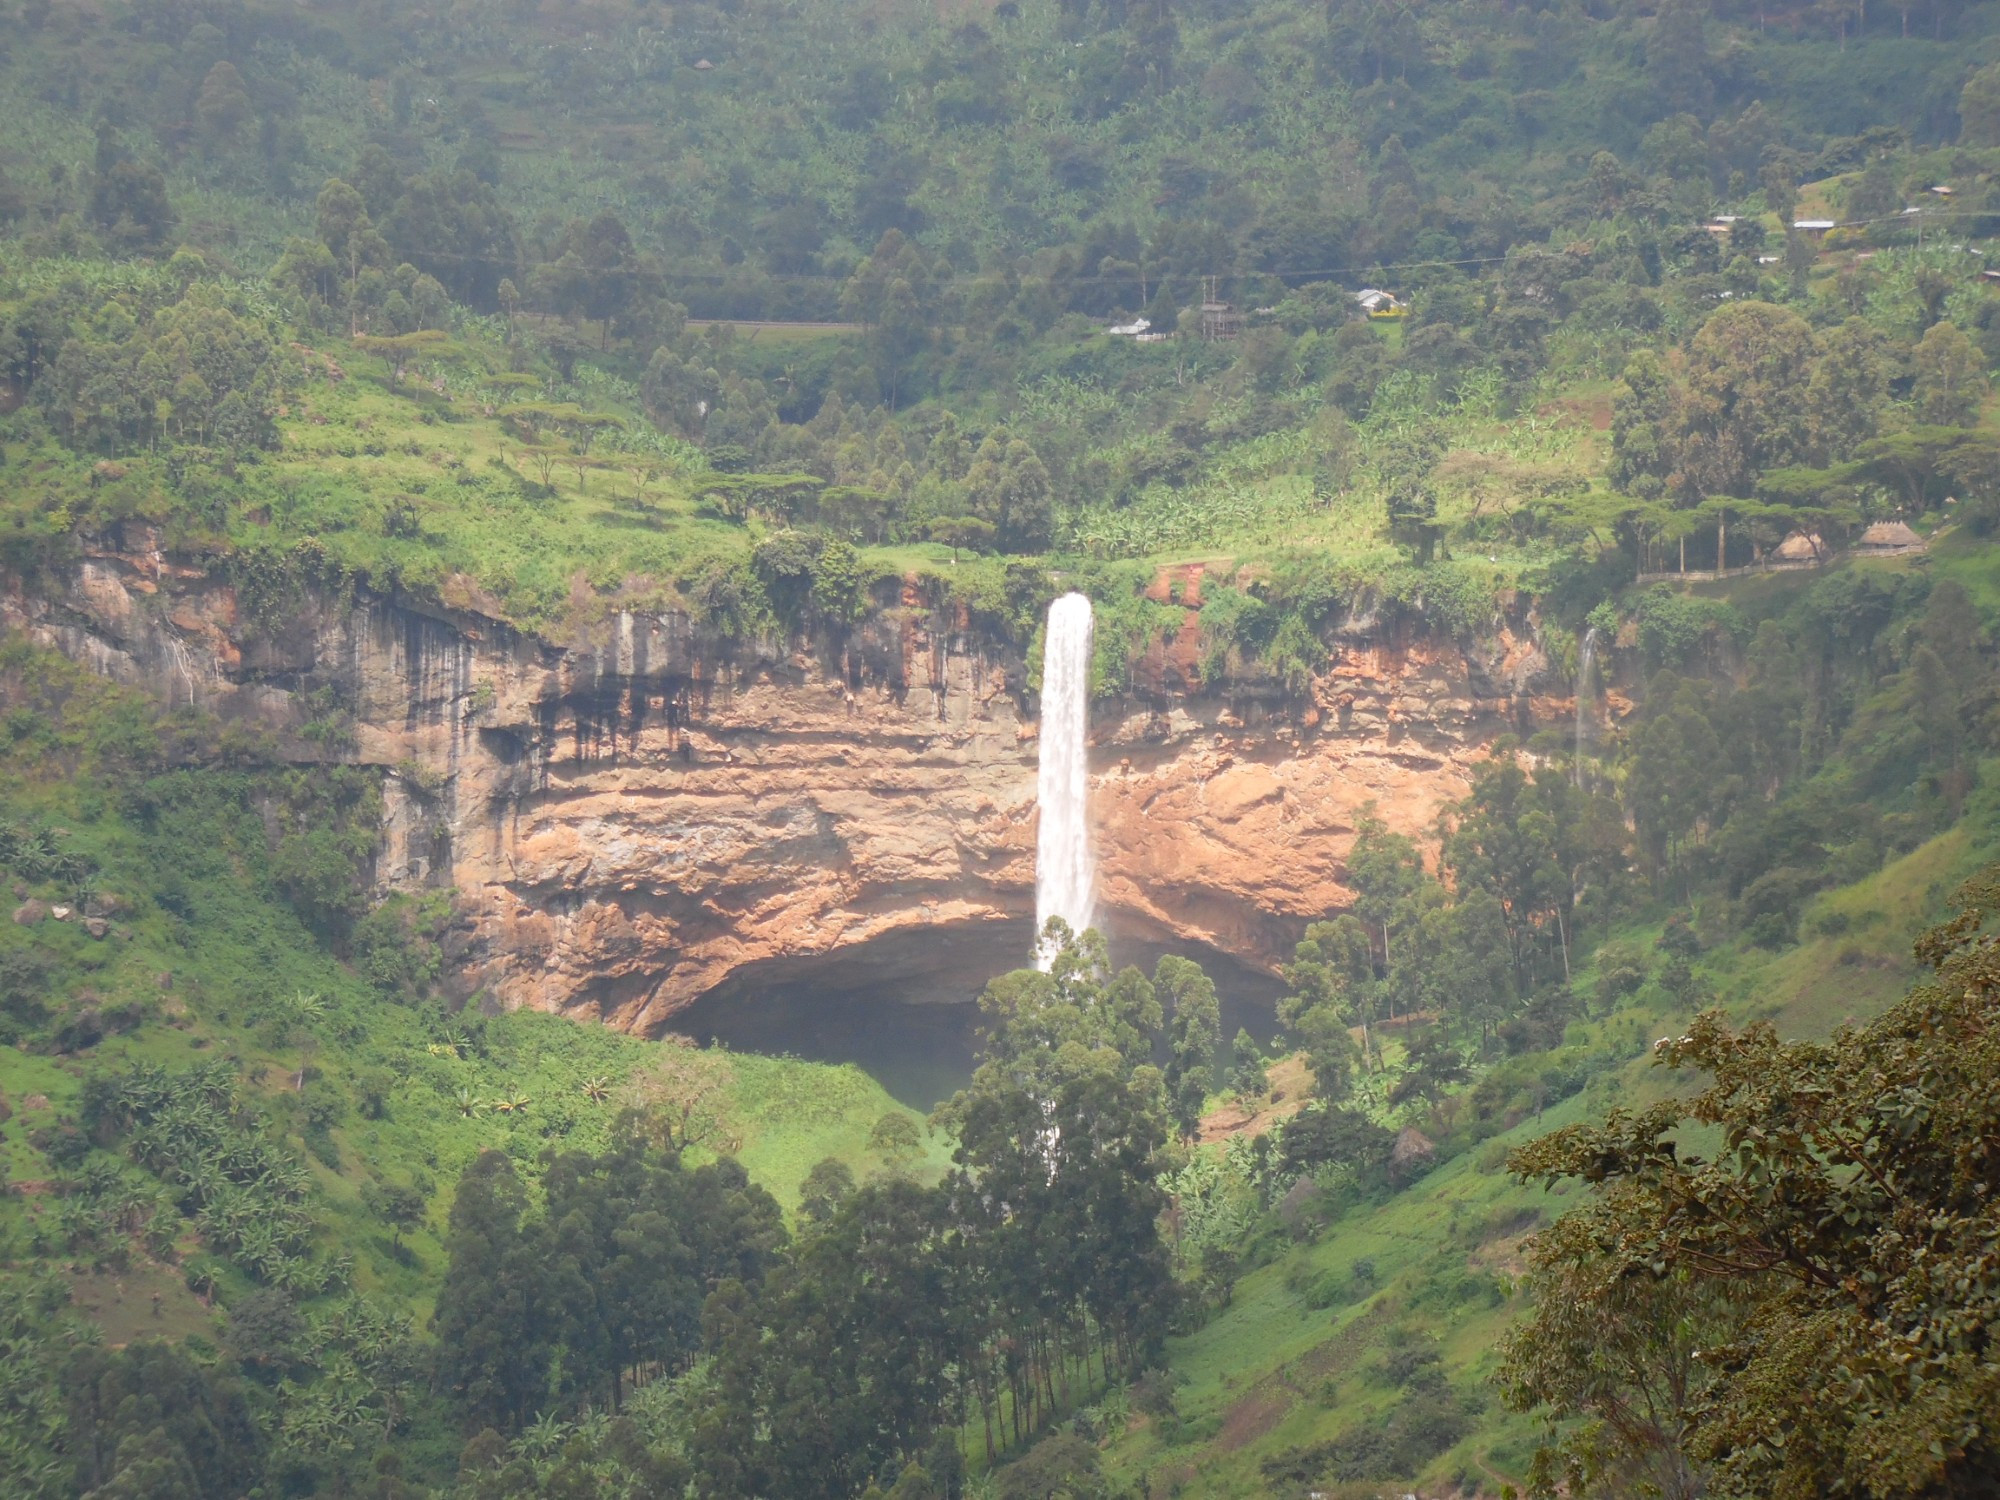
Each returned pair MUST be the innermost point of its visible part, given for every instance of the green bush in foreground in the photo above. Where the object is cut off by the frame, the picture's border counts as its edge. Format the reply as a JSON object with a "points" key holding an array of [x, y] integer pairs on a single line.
{"points": [[1811, 1310]]}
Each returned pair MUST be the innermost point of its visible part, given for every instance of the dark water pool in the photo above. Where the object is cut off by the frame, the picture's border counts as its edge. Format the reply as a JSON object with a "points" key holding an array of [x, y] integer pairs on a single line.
{"points": [[902, 1007]]}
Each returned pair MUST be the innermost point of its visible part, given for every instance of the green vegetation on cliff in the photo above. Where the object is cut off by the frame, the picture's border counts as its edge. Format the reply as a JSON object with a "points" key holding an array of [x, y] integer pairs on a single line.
{"points": [[472, 303], [403, 295]]}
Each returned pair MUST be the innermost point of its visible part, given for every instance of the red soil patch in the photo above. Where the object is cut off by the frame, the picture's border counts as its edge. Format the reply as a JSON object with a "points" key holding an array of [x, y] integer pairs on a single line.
{"points": [[1593, 410], [1291, 1086], [1249, 1419]]}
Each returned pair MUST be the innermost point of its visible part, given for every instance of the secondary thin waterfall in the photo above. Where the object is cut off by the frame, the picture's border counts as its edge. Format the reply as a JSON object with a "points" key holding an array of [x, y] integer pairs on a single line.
{"points": [[1065, 866], [1586, 653]]}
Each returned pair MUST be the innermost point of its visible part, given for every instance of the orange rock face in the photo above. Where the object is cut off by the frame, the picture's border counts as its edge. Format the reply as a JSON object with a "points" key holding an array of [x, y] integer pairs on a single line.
{"points": [[631, 817]]}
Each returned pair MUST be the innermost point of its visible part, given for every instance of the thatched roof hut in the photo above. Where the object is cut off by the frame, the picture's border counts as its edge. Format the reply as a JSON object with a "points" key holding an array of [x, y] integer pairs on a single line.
{"points": [[1886, 539], [1801, 546]]}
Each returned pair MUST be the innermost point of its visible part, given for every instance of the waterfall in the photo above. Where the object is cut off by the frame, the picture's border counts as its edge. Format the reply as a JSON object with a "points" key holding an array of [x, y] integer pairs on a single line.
{"points": [[1586, 653], [183, 663], [1065, 870]]}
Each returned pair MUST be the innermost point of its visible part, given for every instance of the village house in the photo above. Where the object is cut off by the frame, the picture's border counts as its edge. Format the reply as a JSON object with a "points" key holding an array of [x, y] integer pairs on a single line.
{"points": [[1888, 539]]}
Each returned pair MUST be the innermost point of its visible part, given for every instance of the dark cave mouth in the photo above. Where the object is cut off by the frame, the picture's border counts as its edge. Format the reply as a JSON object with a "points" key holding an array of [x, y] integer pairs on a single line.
{"points": [[902, 1007]]}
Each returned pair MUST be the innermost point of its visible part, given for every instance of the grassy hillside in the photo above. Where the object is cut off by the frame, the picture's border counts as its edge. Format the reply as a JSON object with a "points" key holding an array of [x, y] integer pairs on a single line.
{"points": [[220, 948], [1312, 1358]]}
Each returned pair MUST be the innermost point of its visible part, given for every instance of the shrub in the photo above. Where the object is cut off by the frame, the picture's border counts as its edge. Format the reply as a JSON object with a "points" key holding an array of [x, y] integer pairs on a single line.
{"points": [[1674, 627]]}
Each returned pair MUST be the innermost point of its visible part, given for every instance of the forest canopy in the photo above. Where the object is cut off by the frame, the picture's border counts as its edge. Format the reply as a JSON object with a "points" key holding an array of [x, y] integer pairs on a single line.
{"points": [[1623, 365]]}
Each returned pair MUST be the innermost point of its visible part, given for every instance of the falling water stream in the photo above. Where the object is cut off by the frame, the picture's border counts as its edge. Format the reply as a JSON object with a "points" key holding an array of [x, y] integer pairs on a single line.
{"points": [[1585, 656], [1065, 867], [900, 1006]]}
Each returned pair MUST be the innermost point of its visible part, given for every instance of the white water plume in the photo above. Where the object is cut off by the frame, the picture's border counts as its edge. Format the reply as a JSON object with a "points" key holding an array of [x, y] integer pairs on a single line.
{"points": [[1065, 864], [1586, 655]]}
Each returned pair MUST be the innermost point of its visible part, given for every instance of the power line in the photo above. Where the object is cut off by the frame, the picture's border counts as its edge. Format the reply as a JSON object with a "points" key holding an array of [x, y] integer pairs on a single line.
{"points": [[801, 278], [985, 278]]}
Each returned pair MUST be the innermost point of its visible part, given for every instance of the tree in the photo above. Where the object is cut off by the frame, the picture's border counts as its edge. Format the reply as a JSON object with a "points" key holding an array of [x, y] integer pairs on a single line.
{"points": [[1527, 841], [1950, 377], [1618, 1355], [1008, 487], [679, 393], [842, 1368], [598, 273], [1847, 391], [1057, 1187], [1319, 1137], [400, 1205], [896, 1139], [1672, 786], [1779, 178], [1332, 986], [1408, 466], [1875, 195], [967, 533], [1677, 60], [1322, 1034], [196, 371], [1457, 964], [681, 1094], [1385, 870], [1642, 447], [893, 295], [1249, 1076], [452, 226], [147, 1421], [223, 103], [1851, 1207], [128, 199], [634, 1241], [1979, 108], [400, 349], [1742, 408], [496, 1315], [1057, 1468], [1194, 1027], [826, 1187], [1432, 1065], [266, 1333]]}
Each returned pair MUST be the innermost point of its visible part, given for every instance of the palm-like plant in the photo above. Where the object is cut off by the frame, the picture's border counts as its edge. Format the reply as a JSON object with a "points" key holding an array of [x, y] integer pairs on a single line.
{"points": [[257, 1248], [468, 1105], [597, 1090], [307, 1007], [542, 1436], [294, 1273]]}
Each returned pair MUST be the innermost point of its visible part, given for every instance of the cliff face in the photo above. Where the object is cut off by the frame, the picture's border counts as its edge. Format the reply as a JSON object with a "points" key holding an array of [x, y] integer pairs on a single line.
{"points": [[632, 816]]}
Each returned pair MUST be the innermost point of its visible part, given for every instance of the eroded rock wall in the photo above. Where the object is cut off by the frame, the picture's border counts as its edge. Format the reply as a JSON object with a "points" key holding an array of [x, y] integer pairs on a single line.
{"points": [[632, 815]]}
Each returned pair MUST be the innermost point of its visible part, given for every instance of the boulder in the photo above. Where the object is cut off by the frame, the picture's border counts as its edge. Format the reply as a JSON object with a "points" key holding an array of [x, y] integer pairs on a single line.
{"points": [[31, 911], [61, 913], [97, 927]]}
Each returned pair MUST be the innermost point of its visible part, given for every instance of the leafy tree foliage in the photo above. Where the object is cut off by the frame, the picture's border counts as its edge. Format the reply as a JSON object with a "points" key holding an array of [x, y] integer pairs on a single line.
{"points": [[603, 1288], [1832, 1258], [194, 371]]}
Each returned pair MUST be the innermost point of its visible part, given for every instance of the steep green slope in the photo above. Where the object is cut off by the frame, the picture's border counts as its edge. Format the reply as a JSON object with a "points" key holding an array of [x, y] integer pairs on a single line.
{"points": [[181, 902], [1315, 1371]]}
